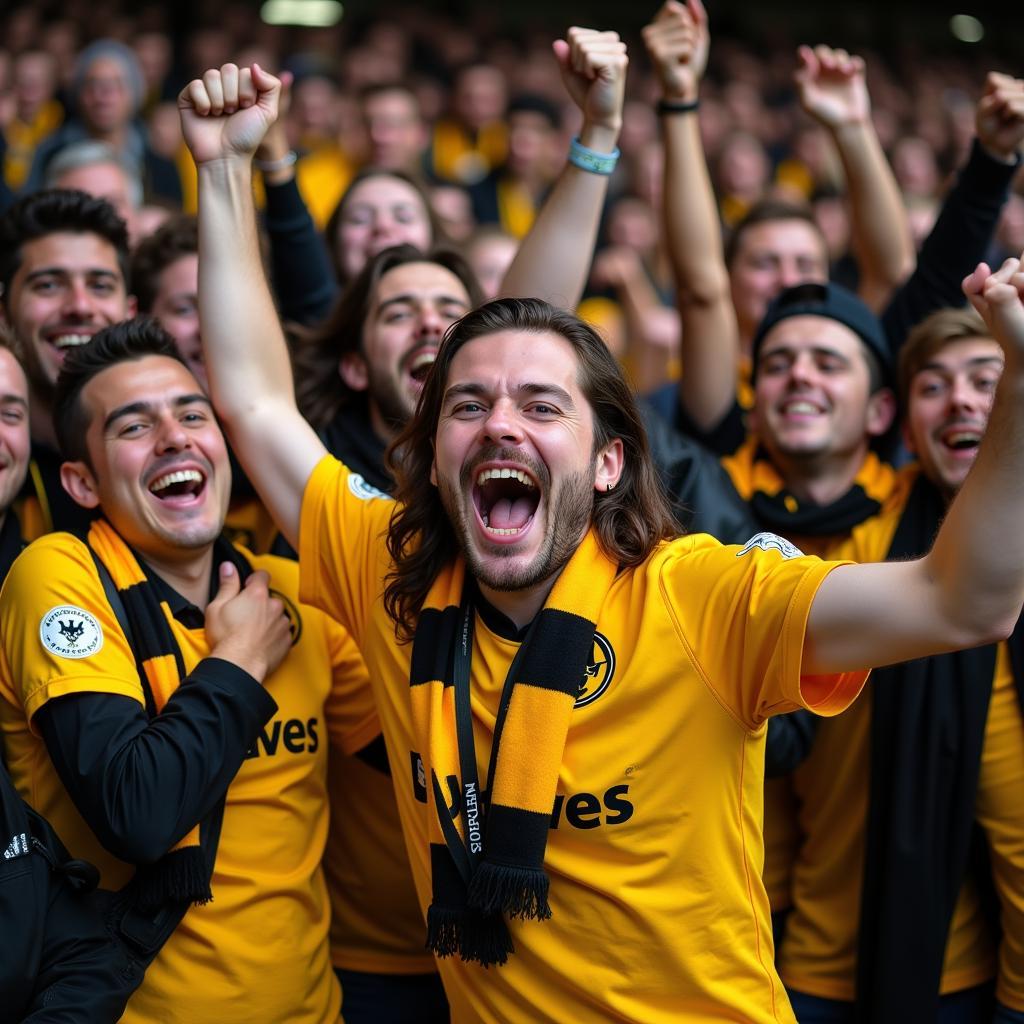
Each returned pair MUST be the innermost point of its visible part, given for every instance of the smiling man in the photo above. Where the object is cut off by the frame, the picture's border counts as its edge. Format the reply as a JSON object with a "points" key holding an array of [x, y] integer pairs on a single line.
{"points": [[167, 702], [543, 799], [64, 276]]}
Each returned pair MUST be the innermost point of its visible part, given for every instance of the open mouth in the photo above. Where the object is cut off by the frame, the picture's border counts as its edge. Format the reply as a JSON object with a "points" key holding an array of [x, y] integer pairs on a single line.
{"points": [[419, 365], [962, 439], [61, 342], [800, 407], [506, 500], [178, 486]]}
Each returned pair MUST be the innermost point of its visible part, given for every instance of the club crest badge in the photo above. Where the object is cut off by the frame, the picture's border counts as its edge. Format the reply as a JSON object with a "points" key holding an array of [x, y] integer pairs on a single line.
{"points": [[770, 542], [70, 632], [599, 671], [363, 490]]}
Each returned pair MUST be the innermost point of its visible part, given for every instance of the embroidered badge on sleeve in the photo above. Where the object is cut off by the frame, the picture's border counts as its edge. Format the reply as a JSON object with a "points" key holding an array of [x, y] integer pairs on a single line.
{"points": [[70, 632], [770, 542], [364, 491]]}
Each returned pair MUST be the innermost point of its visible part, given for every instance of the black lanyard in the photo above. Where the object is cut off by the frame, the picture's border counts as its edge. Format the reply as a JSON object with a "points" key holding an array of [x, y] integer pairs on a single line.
{"points": [[467, 851]]}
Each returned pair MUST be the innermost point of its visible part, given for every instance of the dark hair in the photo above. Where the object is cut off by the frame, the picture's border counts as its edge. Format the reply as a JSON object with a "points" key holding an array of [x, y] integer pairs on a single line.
{"points": [[630, 520], [765, 212], [175, 238], [50, 211], [123, 342], [437, 234], [319, 391], [535, 103], [931, 335]]}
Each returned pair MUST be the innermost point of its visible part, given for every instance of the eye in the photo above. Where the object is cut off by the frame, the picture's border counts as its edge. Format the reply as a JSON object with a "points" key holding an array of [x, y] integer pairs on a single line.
{"points": [[131, 429], [102, 286], [542, 409], [44, 285], [986, 383], [13, 415], [468, 409], [193, 417]]}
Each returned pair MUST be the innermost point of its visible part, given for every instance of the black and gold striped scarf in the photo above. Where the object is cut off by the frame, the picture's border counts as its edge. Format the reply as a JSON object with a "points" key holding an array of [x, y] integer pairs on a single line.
{"points": [[183, 874], [487, 851], [777, 509]]}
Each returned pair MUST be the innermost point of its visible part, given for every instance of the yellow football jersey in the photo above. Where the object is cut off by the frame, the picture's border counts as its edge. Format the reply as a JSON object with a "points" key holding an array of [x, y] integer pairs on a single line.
{"points": [[654, 851], [259, 950]]}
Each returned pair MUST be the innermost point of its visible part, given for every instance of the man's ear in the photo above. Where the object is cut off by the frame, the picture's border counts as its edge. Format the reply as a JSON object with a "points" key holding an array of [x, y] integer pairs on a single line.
{"points": [[611, 460], [77, 479], [353, 371], [881, 412]]}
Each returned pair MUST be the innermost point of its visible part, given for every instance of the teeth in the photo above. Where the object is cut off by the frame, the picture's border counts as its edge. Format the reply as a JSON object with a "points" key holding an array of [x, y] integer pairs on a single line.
{"points": [[801, 408], [180, 476], [963, 437], [501, 533], [504, 474], [423, 359], [72, 340]]}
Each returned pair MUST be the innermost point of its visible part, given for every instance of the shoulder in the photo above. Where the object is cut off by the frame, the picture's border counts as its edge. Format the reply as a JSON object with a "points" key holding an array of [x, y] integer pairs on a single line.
{"points": [[53, 557]]}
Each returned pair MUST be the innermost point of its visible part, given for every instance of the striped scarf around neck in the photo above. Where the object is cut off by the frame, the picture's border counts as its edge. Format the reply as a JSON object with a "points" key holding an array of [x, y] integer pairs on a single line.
{"points": [[487, 853], [183, 874]]}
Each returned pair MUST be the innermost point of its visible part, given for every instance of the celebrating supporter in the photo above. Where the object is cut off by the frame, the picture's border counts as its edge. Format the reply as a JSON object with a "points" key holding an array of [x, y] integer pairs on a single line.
{"points": [[525, 463], [167, 702]]}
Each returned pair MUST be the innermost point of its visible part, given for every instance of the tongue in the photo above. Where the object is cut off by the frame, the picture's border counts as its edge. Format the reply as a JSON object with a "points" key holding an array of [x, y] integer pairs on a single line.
{"points": [[507, 514]]}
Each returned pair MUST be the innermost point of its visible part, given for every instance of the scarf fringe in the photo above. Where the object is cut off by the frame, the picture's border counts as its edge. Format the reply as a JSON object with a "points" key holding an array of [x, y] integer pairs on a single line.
{"points": [[476, 937], [520, 892], [181, 876]]}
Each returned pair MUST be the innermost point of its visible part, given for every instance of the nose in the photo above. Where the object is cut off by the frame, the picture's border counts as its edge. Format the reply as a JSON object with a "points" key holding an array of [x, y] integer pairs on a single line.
{"points": [[801, 370], [429, 322], [501, 426], [171, 436], [77, 301], [963, 395], [790, 274]]}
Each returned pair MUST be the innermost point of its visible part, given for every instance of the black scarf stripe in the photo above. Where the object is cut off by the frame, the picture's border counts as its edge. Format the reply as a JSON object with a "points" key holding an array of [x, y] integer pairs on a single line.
{"points": [[519, 834], [562, 638], [431, 648], [809, 520]]}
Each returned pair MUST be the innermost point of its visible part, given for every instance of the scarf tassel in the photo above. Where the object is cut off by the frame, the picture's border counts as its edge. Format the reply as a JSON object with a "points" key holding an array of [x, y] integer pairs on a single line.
{"points": [[477, 938], [181, 876], [517, 891]]}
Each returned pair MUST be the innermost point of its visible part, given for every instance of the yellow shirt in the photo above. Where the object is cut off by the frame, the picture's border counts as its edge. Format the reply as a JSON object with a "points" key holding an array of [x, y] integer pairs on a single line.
{"points": [[654, 853], [259, 950], [819, 952]]}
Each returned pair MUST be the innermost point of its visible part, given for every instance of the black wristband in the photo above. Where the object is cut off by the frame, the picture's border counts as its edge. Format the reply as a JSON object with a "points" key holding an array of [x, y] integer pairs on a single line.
{"points": [[678, 106]]}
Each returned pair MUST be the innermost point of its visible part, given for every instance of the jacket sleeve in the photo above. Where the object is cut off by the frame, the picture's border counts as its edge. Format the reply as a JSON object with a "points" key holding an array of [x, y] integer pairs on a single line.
{"points": [[957, 243], [701, 492], [790, 739], [143, 784], [300, 269]]}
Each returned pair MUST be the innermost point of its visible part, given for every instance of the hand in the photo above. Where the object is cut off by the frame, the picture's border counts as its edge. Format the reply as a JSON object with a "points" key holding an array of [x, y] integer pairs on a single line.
{"points": [[593, 66], [677, 42], [245, 625], [832, 86], [997, 297], [227, 112], [999, 118], [274, 144]]}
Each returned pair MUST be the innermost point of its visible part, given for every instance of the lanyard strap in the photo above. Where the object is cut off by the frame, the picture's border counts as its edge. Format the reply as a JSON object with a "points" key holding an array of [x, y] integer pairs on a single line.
{"points": [[468, 850]]}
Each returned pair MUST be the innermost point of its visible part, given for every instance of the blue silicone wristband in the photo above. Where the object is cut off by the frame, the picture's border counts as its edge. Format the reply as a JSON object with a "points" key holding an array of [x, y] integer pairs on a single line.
{"points": [[587, 159]]}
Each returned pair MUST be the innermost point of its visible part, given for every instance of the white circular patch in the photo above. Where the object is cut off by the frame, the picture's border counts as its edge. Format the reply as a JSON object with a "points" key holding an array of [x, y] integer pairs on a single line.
{"points": [[363, 490], [70, 632]]}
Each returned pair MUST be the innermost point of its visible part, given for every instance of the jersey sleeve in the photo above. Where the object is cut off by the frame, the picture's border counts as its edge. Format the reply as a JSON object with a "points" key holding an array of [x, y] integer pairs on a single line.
{"points": [[742, 614], [57, 629], [342, 553]]}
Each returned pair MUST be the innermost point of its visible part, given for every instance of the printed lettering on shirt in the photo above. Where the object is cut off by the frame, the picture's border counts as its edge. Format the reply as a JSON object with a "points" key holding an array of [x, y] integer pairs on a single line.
{"points": [[771, 542], [70, 632], [588, 810], [598, 674], [290, 736], [419, 777], [363, 490]]}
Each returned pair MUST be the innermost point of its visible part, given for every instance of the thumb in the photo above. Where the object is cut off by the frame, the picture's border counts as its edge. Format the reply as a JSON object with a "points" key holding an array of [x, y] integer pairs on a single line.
{"points": [[266, 84], [561, 50], [229, 583]]}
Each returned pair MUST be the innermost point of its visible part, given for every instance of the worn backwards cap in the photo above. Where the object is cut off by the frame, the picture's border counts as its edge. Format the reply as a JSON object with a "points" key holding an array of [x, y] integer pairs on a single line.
{"points": [[833, 302]]}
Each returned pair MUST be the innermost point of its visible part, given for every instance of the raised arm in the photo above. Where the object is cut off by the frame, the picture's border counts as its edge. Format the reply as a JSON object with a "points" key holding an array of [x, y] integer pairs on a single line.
{"points": [[969, 588], [833, 91], [553, 259], [224, 116], [678, 42]]}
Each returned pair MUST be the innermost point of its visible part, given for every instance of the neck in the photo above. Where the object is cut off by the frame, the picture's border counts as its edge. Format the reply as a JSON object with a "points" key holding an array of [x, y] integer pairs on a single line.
{"points": [[521, 606], [381, 427], [190, 577], [113, 138], [40, 422], [823, 479]]}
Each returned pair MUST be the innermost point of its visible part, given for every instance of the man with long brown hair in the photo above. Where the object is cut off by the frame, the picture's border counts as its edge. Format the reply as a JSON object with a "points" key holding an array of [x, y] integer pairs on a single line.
{"points": [[582, 706]]}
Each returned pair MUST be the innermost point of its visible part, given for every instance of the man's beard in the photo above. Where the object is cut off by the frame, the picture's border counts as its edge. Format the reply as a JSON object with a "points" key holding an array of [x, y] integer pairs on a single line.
{"points": [[569, 516]]}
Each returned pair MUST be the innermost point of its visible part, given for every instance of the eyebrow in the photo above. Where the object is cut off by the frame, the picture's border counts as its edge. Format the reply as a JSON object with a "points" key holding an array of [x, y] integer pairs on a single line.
{"points": [[12, 399], [49, 271], [408, 297], [529, 388], [818, 350], [134, 408], [972, 364]]}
